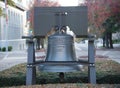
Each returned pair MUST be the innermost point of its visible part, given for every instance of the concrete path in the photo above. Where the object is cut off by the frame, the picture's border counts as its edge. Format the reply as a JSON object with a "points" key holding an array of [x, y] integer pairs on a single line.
{"points": [[12, 58], [9, 59], [113, 54]]}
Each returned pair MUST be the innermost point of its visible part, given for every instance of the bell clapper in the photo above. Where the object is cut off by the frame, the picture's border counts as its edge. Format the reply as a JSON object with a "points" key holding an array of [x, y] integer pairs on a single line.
{"points": [[61, 76]]}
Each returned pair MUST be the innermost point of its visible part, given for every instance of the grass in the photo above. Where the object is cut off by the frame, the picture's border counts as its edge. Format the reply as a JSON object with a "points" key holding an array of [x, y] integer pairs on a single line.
{"points": [[107, 73]]}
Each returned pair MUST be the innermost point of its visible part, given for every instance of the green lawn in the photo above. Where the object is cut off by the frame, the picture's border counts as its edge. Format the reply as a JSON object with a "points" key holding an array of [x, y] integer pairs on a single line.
{"points": [[107, 73]]}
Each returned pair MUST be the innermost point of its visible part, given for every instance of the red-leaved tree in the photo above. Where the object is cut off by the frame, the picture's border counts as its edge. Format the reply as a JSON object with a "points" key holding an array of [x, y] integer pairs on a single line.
{"points": [[98, 12]]}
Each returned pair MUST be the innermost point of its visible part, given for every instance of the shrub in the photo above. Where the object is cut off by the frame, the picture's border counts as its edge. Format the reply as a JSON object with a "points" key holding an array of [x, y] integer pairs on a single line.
{"points": [[9, 48], [116, 41], [4, 49], [0, 48]]}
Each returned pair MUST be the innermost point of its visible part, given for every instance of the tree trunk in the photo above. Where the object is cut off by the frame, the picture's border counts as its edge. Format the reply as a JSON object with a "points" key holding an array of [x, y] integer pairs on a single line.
{"points": [[104, 41], [107, 40], [110, 40], [38, 44], [42, 42]]}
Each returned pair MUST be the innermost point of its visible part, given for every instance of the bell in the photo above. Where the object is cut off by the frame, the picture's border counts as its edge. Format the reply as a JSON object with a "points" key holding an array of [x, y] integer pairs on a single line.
{"points": [[60, 48]]}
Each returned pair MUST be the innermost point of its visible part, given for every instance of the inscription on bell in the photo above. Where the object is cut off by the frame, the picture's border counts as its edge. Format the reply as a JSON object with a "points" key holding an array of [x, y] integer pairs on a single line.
{"points": [[59, 40], [60, 48]]}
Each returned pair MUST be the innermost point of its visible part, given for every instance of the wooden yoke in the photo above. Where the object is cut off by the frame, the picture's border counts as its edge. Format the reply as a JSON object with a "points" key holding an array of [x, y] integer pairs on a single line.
{"points": [[46, 18]]}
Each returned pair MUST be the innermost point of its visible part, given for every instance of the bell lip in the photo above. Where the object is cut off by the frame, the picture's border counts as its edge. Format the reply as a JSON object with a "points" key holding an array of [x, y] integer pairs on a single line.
{"points": [[60, 68]]}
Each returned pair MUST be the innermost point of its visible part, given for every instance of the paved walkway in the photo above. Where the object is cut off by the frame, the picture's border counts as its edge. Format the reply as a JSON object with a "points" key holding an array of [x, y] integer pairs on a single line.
{"points": [[9, 59]]}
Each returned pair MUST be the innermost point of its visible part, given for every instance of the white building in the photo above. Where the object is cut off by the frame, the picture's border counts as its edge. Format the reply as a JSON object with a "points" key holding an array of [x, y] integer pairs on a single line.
{"points": [[11, 32]]}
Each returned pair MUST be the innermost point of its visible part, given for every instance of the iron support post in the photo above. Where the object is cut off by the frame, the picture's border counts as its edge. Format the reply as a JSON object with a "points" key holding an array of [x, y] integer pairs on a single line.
{"points": [[31, 70], [91, 60]]}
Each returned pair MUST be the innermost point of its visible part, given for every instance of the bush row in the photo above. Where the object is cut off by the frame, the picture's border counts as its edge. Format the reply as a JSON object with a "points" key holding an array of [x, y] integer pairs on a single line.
{"points": [[4, 48], [116, 41], [21, 80]]}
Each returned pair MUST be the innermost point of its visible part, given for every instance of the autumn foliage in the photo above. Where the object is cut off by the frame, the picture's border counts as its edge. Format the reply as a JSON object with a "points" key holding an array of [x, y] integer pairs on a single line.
{"points": [[100, 10], [104, 14], [45, 3], [41, 3]]}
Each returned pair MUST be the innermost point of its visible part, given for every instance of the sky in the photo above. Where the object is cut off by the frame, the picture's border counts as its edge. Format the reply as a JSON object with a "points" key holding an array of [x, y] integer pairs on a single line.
{"points": [[68, 2]]}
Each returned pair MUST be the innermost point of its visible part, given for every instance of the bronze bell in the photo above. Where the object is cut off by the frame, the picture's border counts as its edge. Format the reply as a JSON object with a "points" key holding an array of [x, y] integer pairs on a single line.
{"points": [[60, 48]]}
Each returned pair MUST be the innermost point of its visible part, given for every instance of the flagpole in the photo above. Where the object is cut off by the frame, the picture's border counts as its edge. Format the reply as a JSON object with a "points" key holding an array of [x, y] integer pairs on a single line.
{"points": [[6, 26]]}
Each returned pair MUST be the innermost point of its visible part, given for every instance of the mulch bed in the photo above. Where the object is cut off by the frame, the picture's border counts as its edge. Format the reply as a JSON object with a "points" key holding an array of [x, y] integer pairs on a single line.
{"points": [[97, 56], [72, 85]]}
